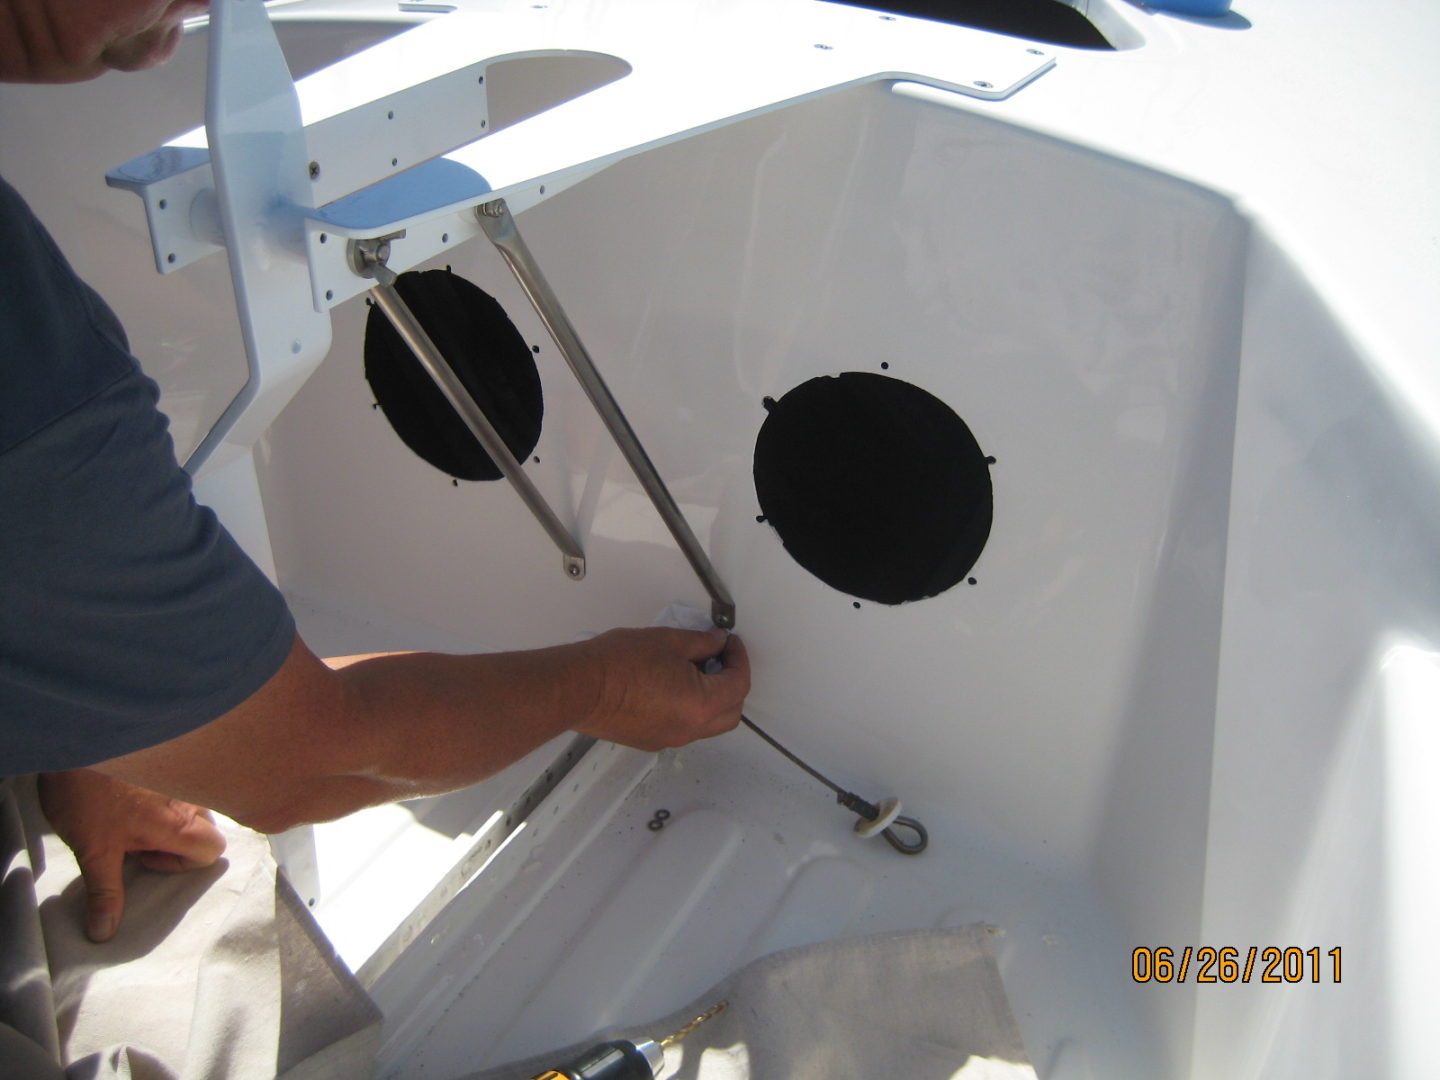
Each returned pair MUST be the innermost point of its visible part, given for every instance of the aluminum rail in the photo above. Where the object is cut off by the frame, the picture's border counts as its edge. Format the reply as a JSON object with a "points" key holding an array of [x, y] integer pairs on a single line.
{"points": [[499, 225], [369, 258]]}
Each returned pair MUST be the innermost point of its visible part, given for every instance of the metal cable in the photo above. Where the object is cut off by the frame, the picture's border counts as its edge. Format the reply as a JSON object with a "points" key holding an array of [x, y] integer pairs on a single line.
{"points": [[853, 802]]}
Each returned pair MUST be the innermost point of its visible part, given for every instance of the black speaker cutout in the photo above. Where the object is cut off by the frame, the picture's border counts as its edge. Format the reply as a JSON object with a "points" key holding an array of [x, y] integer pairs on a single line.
{"points": [[486, 351], [874, 485]]}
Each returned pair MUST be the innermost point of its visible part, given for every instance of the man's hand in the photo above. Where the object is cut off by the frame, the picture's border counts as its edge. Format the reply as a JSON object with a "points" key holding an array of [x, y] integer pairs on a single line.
{"points": [[103, 820], [656, 692]]}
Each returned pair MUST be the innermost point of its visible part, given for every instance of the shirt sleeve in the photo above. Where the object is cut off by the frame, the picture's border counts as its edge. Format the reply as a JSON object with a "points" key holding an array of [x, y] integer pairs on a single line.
{"points": [[128, 616]]}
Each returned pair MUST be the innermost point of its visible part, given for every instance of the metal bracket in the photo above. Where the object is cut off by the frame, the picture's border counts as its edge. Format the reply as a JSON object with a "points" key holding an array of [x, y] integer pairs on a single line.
{"points": [[369, 257], [499, 225]]}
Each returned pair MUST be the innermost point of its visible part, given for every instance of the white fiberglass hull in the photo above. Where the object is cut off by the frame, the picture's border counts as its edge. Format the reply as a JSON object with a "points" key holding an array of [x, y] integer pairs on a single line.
{"points": [[1189, 698]]}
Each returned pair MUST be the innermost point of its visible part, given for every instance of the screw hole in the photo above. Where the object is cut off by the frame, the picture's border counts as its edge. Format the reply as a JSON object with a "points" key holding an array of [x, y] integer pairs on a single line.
{"points": [[329, 294], [323, 237], [445, 239], [390, 115], [984, 85], [170, 258], [394, 161], [825, 48], [162, 204]]}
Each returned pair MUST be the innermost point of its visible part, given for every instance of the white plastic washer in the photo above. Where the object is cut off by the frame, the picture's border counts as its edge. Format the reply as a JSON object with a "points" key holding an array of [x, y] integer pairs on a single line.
{"points": [[889, 811]]}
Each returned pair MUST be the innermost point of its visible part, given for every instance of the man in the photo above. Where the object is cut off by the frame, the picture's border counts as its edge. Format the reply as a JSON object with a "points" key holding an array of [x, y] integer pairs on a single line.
{"points": [[147, 668]]}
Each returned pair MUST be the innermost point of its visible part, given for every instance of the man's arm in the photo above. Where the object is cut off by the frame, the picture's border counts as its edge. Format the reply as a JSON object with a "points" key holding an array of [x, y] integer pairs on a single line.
{"points": [[317, 742]]}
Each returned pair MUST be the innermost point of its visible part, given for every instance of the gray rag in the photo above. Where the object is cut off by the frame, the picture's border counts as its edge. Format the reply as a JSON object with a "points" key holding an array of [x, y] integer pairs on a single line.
{"points": [[215, 974], [923, 1004]]}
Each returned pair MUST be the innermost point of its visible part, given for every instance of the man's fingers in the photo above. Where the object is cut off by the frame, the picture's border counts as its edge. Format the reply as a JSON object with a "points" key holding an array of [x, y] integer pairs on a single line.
{"points": [[196, 842], [169, 863], [104, 881], [702, 644]]}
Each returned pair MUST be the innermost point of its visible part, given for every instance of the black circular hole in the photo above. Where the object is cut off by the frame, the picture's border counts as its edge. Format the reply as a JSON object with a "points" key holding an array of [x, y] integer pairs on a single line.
{"points": [[486, 351], [874, 485]]}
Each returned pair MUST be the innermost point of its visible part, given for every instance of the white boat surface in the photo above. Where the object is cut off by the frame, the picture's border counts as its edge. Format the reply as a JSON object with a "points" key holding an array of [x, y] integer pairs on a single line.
{"points": [[1183, 291]]}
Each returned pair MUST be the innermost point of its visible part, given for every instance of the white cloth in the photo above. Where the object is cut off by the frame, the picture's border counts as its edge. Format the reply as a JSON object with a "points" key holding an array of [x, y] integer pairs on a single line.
{"points": [[215, 974], [925, 1003]]}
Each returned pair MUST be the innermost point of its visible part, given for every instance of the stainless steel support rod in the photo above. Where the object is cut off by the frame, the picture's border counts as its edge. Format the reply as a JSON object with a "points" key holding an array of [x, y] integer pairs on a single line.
{"points": [[388, 300], [499, 225]]}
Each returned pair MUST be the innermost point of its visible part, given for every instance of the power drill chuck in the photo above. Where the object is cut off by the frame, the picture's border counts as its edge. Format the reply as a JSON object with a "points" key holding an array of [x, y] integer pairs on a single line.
{"points": [[619, 1060]]}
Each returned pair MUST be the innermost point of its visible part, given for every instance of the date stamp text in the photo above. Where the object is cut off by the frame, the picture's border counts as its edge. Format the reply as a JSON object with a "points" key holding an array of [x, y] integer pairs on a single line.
{"points": [[1260, 964]]}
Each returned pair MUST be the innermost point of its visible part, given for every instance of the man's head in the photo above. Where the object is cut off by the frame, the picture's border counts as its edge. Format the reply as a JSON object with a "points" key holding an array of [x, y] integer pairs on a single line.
{"points": [[72, 40]]}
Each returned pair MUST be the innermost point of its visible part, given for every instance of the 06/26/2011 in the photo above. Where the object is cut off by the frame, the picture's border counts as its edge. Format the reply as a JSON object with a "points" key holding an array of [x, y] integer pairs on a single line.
{"points": [[1227, 964]]}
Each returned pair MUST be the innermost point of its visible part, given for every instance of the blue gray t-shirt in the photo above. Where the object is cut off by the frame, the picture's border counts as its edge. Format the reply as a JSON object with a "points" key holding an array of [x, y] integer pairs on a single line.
{"points": [[128, 616]]}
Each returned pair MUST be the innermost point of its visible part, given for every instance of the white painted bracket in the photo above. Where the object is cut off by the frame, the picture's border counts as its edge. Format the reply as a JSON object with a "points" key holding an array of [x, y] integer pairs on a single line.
{"points": [[396, 138]]}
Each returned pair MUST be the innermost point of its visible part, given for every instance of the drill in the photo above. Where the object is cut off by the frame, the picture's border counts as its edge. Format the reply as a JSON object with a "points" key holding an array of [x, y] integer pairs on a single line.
{"points": [[625, 1060]]}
